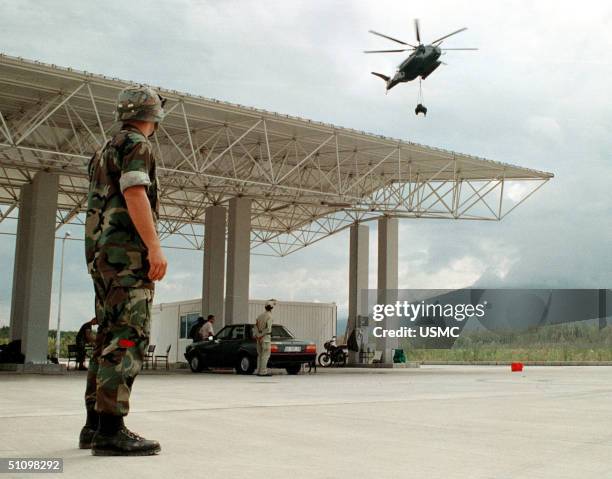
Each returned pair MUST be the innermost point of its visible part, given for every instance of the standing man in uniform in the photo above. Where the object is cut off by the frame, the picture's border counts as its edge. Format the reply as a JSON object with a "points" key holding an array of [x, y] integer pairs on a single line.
{"points": [[207, 330], [124, 258], [263, 336]]}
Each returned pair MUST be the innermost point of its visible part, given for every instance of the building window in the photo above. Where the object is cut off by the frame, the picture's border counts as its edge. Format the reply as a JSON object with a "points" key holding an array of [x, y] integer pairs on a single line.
{"points": [[187, 321]]}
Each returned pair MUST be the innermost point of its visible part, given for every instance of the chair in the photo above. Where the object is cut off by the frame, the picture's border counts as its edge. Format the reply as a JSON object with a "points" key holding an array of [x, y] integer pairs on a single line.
{"points": [[366, 357], [73, 351], [149, 356], [377, 357], [162, 356]]}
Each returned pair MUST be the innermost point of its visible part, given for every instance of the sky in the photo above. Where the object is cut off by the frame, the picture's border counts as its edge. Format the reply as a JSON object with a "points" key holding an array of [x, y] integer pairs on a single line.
{"points": [[536, 94]]}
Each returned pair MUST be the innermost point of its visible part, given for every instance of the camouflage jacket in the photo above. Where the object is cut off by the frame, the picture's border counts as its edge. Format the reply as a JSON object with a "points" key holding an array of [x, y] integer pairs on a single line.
{"points": [[113, 247]]}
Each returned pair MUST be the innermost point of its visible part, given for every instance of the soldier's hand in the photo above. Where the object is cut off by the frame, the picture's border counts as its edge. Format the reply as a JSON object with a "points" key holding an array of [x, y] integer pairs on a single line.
{"points": [[157, 264]]}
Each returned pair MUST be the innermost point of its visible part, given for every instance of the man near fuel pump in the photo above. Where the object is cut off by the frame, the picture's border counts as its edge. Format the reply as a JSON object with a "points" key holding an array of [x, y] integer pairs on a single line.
{"points": [[263, 336], [124, 258]]}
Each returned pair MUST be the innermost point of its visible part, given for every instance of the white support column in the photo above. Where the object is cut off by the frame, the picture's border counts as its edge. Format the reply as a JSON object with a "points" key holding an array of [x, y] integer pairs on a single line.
{"points": [[33, 269], [21, 259], [387, 279], [213, 279], [238, 261], [358, 278]]}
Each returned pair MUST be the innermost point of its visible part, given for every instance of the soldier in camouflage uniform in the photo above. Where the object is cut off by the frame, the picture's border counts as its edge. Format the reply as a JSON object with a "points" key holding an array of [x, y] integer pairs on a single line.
{"points": [[124, 259]]}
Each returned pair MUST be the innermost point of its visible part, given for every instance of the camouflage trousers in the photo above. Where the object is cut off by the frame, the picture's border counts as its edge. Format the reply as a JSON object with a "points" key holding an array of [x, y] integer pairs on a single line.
{"points": [[124, 319]]}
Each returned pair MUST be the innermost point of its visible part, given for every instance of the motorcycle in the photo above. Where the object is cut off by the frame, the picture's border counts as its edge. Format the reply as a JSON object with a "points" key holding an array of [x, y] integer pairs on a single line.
{"points": [[333, 355]]}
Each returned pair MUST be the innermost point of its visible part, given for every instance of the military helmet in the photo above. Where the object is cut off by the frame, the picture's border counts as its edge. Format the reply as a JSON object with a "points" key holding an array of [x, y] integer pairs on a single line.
{"points": [[140, 103]]}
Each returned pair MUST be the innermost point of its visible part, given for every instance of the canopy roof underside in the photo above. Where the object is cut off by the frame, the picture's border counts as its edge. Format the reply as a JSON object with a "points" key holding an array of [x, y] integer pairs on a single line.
{"points": [[307, 180]]}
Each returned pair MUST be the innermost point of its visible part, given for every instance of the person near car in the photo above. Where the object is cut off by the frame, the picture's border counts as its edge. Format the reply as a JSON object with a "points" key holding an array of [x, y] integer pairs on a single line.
{"points": [[84, 337], [194, 331], [207, 330], [263, 337]]}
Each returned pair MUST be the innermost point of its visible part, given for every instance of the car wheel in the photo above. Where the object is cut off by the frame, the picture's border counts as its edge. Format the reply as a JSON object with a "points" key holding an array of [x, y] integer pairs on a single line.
{"points": [[246, 365], [196, 364], [293, 369], [324, 360]]}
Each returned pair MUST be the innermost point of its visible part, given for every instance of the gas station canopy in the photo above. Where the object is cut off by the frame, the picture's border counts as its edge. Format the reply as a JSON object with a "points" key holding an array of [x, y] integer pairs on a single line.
{"points": [[307, 180]]}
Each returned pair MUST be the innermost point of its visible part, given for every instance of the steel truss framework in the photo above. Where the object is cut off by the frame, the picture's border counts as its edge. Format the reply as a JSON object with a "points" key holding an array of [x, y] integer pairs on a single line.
{"points": [[307, 180]]}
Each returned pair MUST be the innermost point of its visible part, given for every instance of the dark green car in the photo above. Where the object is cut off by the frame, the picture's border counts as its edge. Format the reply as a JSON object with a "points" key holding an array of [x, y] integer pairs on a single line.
{"points": [[234, 347]]}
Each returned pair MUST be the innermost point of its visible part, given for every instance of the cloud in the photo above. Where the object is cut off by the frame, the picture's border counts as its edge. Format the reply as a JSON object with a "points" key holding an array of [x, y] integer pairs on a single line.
{"points": [[545, 128]]}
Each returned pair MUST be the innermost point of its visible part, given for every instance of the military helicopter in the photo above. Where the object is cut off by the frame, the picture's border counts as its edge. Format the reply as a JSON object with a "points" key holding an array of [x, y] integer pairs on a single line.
{"points": [[423, 60]]}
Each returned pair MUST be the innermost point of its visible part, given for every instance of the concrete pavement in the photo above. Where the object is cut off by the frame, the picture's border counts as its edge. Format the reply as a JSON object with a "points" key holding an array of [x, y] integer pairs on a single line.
{"points": [[433, 422]]}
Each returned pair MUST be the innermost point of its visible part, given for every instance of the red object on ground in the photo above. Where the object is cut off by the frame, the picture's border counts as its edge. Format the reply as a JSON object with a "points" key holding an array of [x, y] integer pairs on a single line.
{"points": [[516, 367], [126, 343]]}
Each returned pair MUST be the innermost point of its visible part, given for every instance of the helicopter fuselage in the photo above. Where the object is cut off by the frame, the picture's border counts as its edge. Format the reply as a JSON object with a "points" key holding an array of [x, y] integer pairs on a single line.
{"points": [[422, 62]]}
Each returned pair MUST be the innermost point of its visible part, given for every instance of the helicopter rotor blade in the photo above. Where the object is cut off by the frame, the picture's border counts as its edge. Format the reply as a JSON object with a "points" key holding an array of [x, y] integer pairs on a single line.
{"points": [[450, 34], [390, 38], [444, 49], [417, 30], [388, 51]]}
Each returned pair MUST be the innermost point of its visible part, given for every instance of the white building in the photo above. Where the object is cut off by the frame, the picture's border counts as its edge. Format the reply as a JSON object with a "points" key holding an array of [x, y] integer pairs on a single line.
{"points": [[170, 322]]}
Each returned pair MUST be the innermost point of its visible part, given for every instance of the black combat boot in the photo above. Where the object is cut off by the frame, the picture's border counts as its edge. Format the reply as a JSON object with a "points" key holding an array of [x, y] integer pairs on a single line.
{"points": [[89, 429], [114, 439]]}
